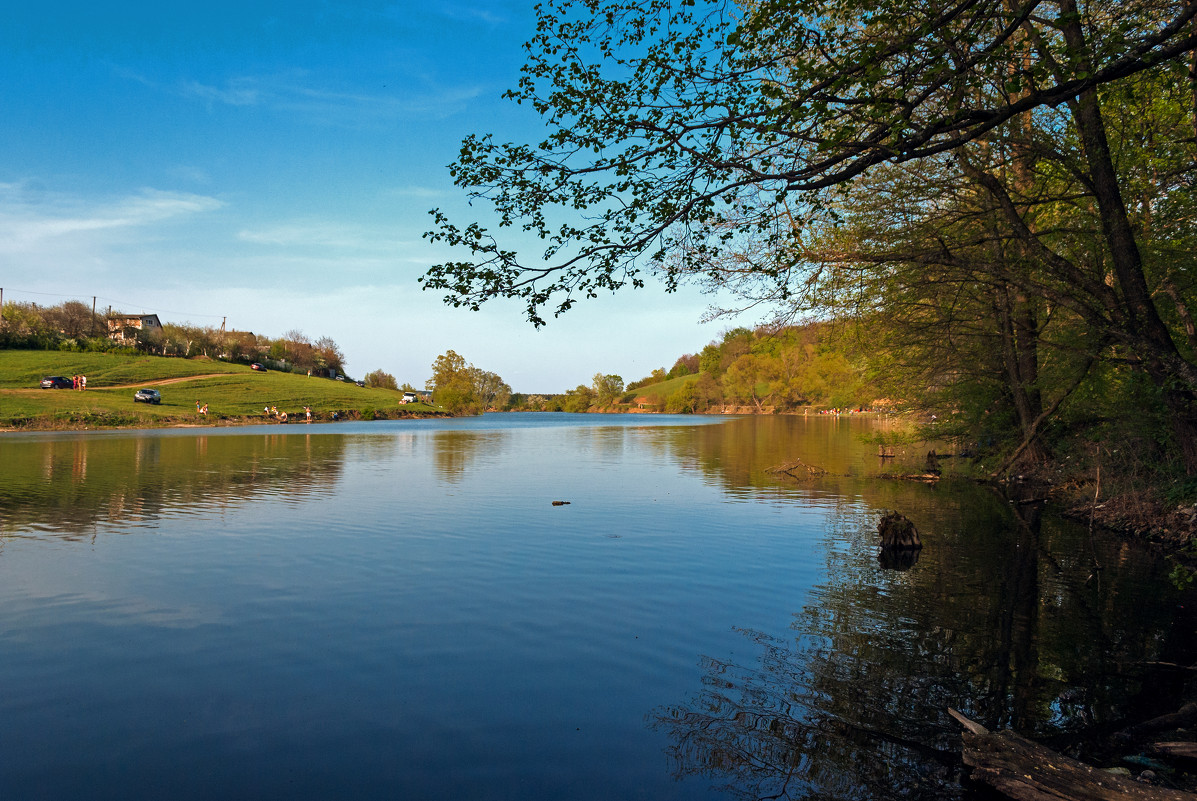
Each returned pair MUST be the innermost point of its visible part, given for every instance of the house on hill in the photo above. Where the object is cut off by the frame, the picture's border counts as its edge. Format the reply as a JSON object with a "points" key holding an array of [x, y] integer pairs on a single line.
{"points": [[246, 339], [128, 327]]}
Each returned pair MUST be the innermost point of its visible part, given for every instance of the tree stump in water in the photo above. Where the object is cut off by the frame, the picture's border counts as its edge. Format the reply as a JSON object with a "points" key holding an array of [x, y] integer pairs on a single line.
{"points": [[897, 531]]}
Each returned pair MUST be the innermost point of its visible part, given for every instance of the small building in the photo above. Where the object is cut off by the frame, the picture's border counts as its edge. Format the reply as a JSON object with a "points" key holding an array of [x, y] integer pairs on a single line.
{"points": [[125, 327]]}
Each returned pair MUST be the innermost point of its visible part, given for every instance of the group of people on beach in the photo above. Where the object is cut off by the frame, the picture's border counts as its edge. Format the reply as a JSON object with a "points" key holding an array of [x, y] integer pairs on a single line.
{"points": [[79, 382], [271, 411]]}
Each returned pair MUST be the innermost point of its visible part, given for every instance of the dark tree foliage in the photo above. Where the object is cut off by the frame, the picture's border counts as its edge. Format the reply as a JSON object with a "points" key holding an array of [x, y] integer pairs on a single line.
{"points": [[702, 140], [672, 123]]}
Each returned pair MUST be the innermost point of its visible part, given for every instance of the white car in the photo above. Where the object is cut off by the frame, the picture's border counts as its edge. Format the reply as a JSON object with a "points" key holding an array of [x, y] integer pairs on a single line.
{"points": [[409, 397]]}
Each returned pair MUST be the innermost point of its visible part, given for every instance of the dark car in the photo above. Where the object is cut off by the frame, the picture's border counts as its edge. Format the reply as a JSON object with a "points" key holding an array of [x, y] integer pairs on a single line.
{"points": [[147, 396], [258, 367], [56, 382]]}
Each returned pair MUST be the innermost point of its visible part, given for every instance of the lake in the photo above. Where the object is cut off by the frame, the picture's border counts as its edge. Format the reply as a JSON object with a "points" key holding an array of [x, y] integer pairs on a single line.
{"points": [[398, 610]]}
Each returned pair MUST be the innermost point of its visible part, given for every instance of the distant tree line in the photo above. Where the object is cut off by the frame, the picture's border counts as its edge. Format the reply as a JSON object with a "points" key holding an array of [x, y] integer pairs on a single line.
{"points": [[780, 369], [72, 326]]}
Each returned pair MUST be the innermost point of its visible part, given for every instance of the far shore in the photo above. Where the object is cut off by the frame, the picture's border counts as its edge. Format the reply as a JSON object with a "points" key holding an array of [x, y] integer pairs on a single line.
{"points": [[215, 421], [96, 422]]}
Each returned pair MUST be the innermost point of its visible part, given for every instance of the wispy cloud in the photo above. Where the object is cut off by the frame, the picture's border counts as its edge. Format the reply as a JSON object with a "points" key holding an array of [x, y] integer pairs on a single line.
{"points": [[331, 235], [189, 173], [418, 192], [239, 92], [25, 224], [488, 13], [322, 100]]}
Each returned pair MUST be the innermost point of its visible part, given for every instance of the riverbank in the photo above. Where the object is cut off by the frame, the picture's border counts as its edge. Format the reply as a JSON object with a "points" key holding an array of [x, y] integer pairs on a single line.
{"points": [[231, 394], [116, 421]]}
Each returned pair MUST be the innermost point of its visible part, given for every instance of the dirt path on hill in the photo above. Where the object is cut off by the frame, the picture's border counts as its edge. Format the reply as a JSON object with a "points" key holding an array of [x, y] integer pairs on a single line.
{"points": [[161, 382], [166, 381]]}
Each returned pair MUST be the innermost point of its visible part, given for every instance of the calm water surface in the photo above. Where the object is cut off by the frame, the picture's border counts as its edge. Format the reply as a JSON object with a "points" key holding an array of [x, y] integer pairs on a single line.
{"points": [[397, 610]]}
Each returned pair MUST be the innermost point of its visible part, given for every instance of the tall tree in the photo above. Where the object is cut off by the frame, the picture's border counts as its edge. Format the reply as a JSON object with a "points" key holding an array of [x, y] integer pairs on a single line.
{"points": [[491, 390], [686, 132], [607, 388], [462, 388]]}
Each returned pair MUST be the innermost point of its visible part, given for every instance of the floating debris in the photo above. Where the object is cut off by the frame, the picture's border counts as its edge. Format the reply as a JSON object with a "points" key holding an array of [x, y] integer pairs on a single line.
{"points": [[798, 469]]}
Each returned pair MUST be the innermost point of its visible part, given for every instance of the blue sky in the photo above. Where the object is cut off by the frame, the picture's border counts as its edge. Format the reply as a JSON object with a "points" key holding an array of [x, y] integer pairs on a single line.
{"points": [[274, 163]]}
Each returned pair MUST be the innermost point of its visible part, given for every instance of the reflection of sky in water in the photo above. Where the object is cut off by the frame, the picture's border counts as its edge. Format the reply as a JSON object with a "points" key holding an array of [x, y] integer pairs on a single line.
{"points": [[398, 610]]}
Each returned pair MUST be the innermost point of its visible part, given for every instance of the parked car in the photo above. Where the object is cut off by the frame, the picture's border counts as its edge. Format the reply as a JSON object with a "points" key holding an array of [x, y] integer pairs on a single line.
{"points": [[409, 397], [147, 396], [56, 382], [258, 367]]}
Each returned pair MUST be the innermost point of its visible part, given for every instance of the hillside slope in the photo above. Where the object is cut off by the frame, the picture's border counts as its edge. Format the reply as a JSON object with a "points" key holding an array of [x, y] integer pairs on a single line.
{"points": [[232, 392]]}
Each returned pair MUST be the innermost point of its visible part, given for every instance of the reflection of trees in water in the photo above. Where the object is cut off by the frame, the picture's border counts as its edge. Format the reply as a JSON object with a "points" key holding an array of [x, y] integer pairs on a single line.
{"points": [[739, 453], [1000, 618], [373, 448], [605, 444], [66, 487], [456, 452]]}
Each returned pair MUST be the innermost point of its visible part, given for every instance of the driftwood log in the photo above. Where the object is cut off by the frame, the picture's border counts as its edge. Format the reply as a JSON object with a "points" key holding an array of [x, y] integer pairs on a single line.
{"points": [[1026, 771], [1181, 718], [1176, 750]]}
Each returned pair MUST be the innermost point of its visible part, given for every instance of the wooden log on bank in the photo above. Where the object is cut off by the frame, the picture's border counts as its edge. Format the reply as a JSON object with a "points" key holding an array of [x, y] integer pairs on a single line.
{"points": [[1182, 718], [1027, 771], [1176, 750]]}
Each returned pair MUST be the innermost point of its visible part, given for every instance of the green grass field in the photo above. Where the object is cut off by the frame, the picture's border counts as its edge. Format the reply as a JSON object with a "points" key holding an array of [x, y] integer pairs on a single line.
{"points": [[233, 392], [662, 389]]}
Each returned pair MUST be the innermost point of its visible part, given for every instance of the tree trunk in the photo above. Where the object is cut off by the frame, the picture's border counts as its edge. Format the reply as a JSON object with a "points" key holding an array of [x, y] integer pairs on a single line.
{"points": [[1156, 348]]}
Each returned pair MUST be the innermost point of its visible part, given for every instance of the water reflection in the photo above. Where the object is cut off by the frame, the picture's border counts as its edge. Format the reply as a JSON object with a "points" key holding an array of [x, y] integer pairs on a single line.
{"points": [[1002, 618], [68, 486], [740, 456], [457, 452], [438, 611]]}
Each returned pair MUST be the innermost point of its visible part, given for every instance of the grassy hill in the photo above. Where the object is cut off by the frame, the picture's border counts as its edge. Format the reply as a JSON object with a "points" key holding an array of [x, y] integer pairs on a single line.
{"points": [[233, 392], [661, 389]]}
